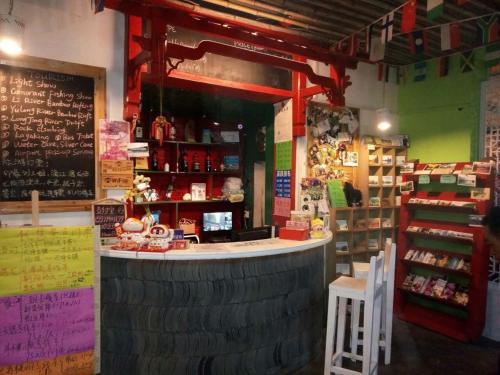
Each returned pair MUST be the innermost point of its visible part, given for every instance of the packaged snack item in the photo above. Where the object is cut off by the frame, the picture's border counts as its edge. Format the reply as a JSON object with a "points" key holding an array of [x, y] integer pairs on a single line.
{"points": [[409, 254], [430, 285], [415, 256], [418, 282], [462, 296], [438, 288], [408, 281], [452, 263], [443, 261], [449, 291]]}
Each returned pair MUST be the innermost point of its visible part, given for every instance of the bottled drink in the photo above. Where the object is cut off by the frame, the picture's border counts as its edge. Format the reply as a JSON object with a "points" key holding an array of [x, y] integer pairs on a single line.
{"points": [[137, 126], [170, 189], [172, 129], [196, 163], [183, 163], [208, 162], [154, 161]]}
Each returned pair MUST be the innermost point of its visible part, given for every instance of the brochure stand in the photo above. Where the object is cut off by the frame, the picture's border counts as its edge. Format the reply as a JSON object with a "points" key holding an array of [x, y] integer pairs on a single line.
{"points": [[442, 259]]}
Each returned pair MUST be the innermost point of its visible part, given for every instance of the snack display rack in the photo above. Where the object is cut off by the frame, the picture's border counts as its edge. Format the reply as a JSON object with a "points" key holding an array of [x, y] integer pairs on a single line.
{"points": [[442, 258]]}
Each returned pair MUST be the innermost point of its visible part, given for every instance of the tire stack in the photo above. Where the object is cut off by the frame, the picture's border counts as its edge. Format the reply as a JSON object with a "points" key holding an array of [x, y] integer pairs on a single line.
{"points": [[259, 315]]}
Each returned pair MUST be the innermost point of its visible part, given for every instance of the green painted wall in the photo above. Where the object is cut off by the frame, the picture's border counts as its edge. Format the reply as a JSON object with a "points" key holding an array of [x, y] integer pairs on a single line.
{"points": [[441, 115]]}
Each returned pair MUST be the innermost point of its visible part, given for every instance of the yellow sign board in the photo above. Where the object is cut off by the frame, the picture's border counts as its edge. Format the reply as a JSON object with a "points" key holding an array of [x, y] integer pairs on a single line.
{"points": [[45, 258]]}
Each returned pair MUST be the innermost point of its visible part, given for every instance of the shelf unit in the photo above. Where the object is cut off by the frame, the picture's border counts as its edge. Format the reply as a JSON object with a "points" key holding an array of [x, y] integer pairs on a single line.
{"points": [[463, 323], [387, 212], [176, 208], [365, 226]]}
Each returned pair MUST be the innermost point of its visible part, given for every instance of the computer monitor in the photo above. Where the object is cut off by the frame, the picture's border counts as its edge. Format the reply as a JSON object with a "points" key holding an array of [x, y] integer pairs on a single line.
{"points": [[217, 221]]}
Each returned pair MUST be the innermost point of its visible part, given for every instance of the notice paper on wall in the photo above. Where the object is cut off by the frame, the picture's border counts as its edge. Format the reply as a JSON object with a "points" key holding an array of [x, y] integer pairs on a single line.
{"points": [[45, 258], [282, 184], [283, 121], [282, 206], [46, 325], [284, 156]]}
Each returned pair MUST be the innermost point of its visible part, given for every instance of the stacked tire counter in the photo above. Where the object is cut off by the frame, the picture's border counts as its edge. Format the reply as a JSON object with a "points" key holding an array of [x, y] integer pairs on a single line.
{"points": [[260, 315]]}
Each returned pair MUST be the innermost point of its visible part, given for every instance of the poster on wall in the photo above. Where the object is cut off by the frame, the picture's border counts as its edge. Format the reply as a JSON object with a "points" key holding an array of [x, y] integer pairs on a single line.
{"points": [[283, 121], [114, 137], [282, 185], [284, 155], [282, 206]]}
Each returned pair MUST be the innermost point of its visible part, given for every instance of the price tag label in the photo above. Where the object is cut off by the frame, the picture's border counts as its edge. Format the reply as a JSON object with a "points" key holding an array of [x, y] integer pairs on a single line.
{"points": [[424, 179], [448, 179]]}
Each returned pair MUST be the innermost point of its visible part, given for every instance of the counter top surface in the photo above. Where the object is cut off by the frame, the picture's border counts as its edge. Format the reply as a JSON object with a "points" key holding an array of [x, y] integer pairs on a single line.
{"points": [[228, 250]]}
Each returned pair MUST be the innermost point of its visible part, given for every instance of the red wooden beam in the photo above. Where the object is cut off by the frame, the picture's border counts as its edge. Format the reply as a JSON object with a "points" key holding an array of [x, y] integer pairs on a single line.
{"points": [[182, 52], [185, 16]]}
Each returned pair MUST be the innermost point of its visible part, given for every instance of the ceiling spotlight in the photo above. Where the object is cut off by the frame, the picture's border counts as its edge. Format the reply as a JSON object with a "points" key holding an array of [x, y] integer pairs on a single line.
{"points": [[11, 32], [384, 120]]}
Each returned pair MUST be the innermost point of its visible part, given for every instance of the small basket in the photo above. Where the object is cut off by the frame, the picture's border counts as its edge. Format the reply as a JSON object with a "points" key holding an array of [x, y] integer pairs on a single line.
{"points": [[187, 225]]}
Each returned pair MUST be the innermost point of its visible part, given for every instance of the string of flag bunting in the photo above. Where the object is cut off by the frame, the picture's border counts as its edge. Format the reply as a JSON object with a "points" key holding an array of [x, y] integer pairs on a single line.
{"points": [[374, 46]]}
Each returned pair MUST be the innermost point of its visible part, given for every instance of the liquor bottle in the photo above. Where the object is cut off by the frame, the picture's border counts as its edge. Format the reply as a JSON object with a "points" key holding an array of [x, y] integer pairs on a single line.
{"points": [[208, 162], [196, 163], [172, 129], [170, 189], [183, 163], [137, 126], [154, 161]]}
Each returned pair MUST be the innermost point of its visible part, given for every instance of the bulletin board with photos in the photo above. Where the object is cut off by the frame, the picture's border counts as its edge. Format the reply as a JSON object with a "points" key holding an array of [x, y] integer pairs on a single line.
{"points": [[333, 142]]}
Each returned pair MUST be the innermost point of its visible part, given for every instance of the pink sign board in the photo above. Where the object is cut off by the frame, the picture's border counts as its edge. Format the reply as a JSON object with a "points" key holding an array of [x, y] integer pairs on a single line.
{"points": [[46, 325], [282, 206]]}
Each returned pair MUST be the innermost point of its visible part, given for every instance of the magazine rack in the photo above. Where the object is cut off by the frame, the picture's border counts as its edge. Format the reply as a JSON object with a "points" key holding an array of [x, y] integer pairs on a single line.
{"points": [[436, 218]]}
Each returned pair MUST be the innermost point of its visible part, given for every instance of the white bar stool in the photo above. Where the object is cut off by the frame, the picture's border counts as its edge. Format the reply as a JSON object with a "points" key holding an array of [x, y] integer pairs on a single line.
{"points": [[369, 291], [360, 271]]}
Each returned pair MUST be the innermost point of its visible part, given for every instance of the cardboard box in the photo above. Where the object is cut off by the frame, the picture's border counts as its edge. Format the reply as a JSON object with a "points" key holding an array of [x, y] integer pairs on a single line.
{"points": [[297, 234]]}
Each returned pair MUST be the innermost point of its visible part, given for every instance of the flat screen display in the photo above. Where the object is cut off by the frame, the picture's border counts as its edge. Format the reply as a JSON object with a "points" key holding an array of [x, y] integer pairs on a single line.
{"points": [[217, 221]]}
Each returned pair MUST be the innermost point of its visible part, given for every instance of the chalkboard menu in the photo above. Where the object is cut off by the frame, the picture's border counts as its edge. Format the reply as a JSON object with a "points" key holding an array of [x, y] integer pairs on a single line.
{"points": [[228, 68], [47, 135], [106, 215]]}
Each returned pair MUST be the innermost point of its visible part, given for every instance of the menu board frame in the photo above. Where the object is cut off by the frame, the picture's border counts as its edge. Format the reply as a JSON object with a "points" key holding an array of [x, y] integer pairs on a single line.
{"points": [[99, 77]]}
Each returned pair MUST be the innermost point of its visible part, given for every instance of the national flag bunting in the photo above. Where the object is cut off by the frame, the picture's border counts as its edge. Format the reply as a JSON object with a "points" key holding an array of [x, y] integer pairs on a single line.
{"points": [[380, 71], [420, 71], [353, 45], [492, 58], [467, 61], [450, 36], [409, 16], [387, 25], [434, 9], [377, 49], [444, 66], [488, 29], [417, 41], [368, 39]]}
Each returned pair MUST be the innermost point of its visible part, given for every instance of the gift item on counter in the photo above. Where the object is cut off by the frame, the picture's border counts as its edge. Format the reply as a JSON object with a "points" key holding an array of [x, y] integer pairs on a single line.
{"points": [[297, 234], [297, 224], [317, 228], [301, 216], [187, 225], [180, 244], [136, 235], [232, 189]]}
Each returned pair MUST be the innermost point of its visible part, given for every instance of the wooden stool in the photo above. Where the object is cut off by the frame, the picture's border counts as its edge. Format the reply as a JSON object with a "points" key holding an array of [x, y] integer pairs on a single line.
{"points": [[369, 291], [360, 271]]}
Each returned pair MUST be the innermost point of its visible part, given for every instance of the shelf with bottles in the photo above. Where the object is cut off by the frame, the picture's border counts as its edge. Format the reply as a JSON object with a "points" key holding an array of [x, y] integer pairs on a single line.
{"points": [[216, 173]]}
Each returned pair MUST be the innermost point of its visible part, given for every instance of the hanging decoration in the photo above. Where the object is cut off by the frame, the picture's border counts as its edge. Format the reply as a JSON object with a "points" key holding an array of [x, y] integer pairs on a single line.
{"points": [[444, 66], [450, 36], [435, 8], [488, 29], [409, 17], [417, 41], [420, 71], [387, 26], [374, 47], [467, 61]]}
